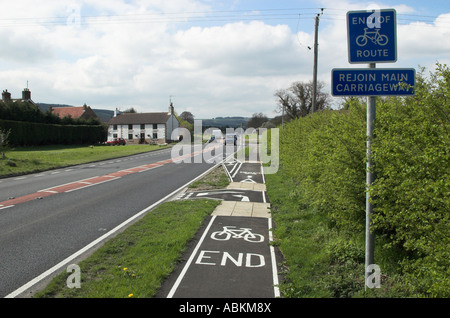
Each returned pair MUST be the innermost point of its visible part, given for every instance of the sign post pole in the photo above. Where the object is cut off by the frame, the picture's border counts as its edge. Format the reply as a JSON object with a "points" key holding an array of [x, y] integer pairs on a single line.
{"points": [[370, 244], [372, 38]]}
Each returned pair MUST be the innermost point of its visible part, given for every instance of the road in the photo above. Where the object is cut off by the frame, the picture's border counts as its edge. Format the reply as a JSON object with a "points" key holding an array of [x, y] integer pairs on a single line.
{"points": [[47, 219]]}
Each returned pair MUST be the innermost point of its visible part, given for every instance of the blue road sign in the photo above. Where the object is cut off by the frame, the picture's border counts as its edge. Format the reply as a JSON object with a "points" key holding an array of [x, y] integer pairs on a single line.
{"points": [[372, 36], [373, 82]]}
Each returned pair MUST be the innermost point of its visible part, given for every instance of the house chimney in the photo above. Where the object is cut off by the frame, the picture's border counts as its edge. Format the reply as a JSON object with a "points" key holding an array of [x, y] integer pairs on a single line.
{"points": [[26, 94], [171, 109], [6, 96]]}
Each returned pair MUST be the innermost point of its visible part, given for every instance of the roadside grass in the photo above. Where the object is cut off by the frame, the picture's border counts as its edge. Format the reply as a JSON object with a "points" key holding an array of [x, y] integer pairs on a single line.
{"points": [[320, 260], [216, 179], [25, 160], [135, 262]]}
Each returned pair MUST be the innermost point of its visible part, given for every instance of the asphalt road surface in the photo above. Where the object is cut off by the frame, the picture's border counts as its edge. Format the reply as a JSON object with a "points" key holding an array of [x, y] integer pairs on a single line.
{"points": [[47, 219]]}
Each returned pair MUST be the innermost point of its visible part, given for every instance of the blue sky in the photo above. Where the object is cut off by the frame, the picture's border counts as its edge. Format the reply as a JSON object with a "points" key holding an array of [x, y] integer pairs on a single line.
{"points": [[215, 58]]}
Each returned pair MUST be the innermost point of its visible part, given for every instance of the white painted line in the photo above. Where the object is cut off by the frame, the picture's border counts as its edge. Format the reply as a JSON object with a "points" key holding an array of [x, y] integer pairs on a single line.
{"points": [[61, 185], [237, 170], [88, 184], [20, 178], [262, 173], [5, 207], [186, 267], [276, 289], [98, 240]]}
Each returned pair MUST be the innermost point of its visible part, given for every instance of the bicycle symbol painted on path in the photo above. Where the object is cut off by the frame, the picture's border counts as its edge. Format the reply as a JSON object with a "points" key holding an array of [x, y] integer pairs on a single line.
{"points": [[373, 35], [230, 232]]}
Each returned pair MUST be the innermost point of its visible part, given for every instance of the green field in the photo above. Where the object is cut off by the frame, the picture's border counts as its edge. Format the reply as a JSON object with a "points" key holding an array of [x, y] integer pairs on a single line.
{"points": [[23, 160]]}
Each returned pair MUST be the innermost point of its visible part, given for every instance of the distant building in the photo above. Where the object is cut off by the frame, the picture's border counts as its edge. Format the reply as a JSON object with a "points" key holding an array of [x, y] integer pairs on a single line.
{"points": [[139, 128], [26, 96], [82, 112]]}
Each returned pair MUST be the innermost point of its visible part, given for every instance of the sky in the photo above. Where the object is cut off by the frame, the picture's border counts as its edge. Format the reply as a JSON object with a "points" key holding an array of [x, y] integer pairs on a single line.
{"points": [[211, 58]]}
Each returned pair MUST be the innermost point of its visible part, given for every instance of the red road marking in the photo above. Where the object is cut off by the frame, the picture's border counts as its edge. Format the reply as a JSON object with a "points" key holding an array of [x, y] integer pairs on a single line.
{"points": [[82, 183], [24, 198]]}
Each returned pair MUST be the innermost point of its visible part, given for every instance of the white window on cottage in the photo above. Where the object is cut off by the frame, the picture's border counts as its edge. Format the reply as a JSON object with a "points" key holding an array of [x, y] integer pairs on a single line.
{"points": [[130, 136], [114, 127]]}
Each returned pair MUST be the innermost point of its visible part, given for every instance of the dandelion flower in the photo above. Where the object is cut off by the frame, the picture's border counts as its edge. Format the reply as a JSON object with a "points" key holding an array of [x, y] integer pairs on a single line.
{"points": [[130, 295]]}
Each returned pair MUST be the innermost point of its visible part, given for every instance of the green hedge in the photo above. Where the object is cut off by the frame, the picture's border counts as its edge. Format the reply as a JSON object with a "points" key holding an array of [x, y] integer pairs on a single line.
{"points": [[412, 189], [35, 134], [325, 154]]}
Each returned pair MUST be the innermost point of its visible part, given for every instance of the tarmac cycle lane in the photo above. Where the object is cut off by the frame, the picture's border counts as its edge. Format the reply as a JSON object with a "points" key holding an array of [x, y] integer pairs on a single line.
{"points": [[232, 259]]}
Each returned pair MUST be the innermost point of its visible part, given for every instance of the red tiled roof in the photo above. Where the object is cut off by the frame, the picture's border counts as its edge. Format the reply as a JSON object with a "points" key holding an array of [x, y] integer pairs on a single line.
{"points": [[74, 112]]}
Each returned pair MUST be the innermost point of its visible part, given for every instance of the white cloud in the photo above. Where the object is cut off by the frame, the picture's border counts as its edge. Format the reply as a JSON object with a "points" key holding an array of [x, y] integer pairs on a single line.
{"points": [[137, 53]]}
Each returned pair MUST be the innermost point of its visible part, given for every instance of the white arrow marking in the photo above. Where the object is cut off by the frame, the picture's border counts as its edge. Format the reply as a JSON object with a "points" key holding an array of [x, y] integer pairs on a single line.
{"points": [[244, 198]]}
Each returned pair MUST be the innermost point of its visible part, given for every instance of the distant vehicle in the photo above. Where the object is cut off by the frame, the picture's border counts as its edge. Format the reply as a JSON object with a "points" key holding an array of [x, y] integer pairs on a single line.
{"points": [[116, 141], [216, 135], [230, 139]]}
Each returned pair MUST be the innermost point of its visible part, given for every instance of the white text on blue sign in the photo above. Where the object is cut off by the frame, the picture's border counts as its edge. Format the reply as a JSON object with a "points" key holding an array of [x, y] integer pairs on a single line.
{"points": [[372, 82]]}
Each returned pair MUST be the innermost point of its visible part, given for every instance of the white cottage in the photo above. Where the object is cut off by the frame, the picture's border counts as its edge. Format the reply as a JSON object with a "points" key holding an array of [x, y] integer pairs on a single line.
{"points": [[139, 128]]}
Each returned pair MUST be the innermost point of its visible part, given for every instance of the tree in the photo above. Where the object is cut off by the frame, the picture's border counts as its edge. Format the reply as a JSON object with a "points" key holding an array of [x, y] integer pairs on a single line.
{"points": [[257, 120], [297, 99], [130, 110], [187, 116]]}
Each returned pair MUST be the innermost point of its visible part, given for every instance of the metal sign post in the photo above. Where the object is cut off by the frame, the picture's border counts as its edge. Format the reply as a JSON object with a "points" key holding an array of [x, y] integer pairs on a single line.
{"points": [[370, 240], [372, 38]]}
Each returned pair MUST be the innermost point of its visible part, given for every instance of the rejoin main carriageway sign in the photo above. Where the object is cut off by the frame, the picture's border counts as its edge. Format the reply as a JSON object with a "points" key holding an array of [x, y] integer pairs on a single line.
{"points": [[372, 36], [373, 82]]}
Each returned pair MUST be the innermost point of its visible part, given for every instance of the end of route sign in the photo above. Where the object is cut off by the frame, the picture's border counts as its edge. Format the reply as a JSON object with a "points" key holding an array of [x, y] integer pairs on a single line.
{"points": [[372, 36]]}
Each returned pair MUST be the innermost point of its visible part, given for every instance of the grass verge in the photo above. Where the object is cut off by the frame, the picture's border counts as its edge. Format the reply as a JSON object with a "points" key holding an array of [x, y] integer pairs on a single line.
{"points": [[320, 260], [216, 179], [35, 159], [135, 262]]}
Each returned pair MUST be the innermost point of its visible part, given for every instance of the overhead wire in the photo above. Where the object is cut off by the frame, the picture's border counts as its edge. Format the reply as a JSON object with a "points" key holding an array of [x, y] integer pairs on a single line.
{"points": [[227, 16]]}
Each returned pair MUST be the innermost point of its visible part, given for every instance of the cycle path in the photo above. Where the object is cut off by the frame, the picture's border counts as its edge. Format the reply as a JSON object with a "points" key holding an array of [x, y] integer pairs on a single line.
{"points": [[231, 256]]}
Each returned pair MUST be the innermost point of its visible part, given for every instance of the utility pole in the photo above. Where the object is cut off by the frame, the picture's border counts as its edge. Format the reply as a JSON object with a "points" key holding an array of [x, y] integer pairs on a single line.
{"points": [[316, 45]]}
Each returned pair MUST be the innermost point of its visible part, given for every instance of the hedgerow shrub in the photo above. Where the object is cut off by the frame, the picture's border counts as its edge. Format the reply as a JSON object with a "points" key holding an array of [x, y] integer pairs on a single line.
{"points": [[411, 193], [36, 134], [325, 155]]}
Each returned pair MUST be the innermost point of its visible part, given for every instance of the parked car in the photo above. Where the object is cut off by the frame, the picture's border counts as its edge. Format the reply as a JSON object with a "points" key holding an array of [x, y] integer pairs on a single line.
{"points": [[116, 141], [230, 139]]}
